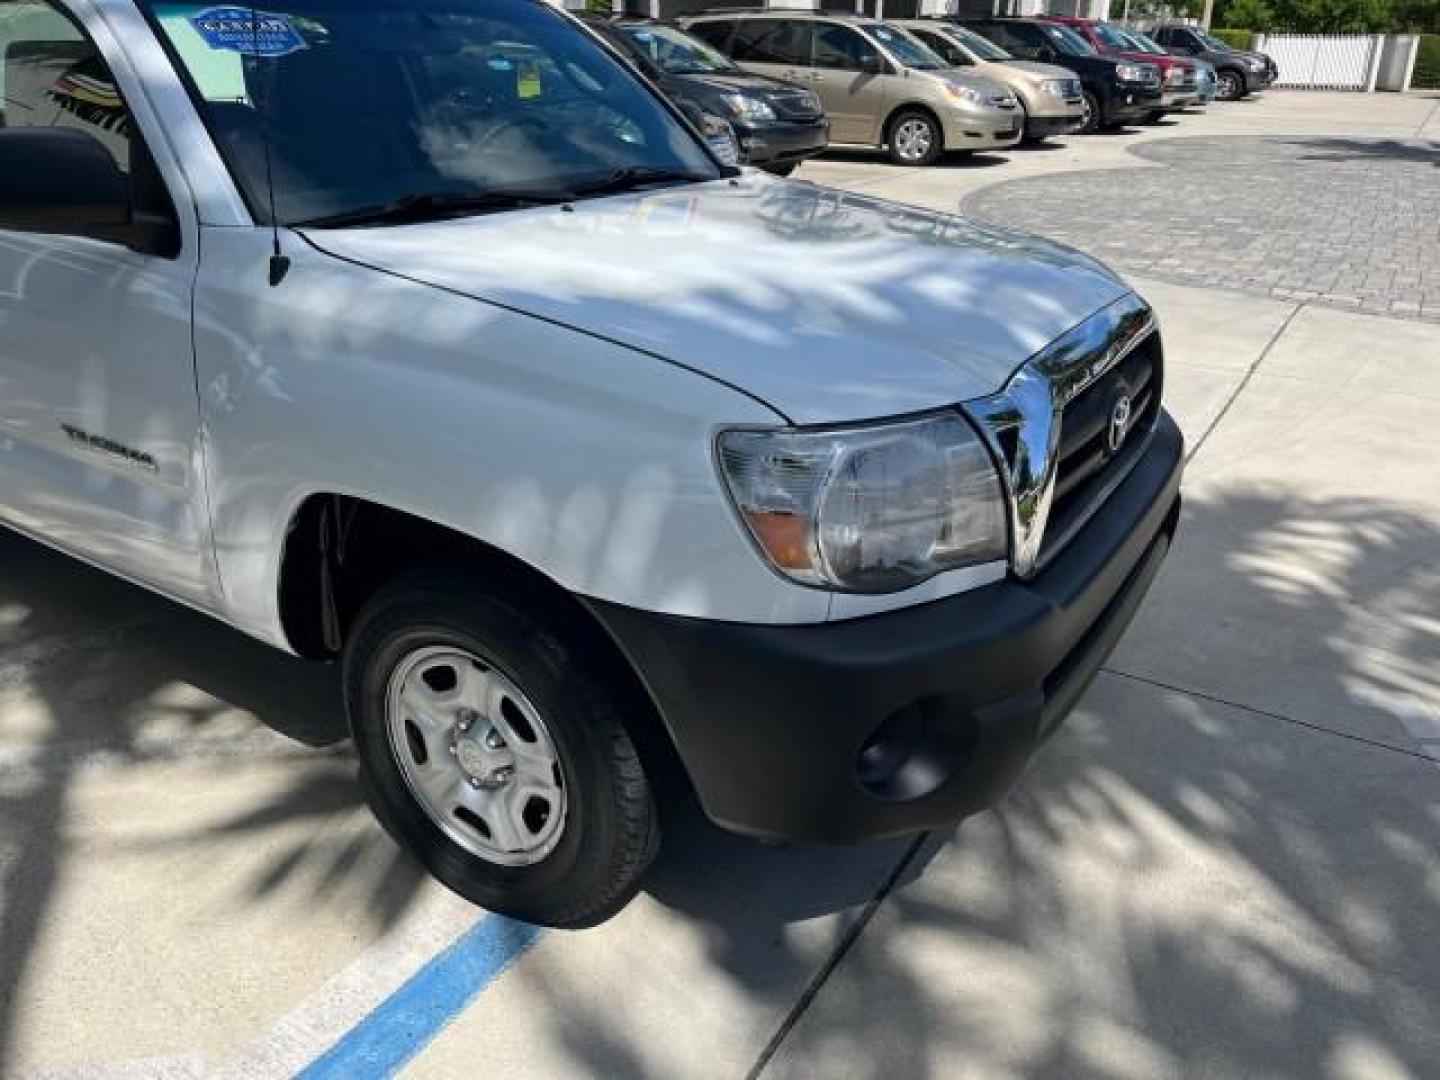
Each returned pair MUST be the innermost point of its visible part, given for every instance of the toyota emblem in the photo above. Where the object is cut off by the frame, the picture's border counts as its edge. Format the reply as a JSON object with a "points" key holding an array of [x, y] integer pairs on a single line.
{"points": [[1119, 423]]}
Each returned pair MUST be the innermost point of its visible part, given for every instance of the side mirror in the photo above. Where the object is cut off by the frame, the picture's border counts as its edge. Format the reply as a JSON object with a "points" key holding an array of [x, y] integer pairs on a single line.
{"points": [[60, 181], [1045, 54], [874, 64]]}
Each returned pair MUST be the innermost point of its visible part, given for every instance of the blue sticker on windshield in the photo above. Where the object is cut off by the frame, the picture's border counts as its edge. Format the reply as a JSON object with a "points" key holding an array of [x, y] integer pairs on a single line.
{"points": [[245, 30]]}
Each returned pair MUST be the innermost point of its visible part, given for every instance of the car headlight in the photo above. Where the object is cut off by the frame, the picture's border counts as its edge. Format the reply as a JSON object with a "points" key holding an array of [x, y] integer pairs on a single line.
{"points": [[1136, 73], [743, 107], [967, 94], [1256, 65], [1174, 75], [1056, 87], [867, 509]]}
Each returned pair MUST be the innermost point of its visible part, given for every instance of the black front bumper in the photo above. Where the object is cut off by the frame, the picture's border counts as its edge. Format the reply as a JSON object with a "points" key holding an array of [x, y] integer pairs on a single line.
{"points": [[1132, 101], [1045, 127], [782, 142], [899, 722]]}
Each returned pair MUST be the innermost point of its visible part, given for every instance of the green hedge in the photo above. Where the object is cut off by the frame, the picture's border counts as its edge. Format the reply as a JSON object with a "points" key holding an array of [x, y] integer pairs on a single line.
{"points": [[1236, 39], [1427, 64]]}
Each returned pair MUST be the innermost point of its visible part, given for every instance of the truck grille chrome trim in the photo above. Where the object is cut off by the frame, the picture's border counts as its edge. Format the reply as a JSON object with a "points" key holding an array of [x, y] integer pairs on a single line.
{"points": [[1024, 425]]}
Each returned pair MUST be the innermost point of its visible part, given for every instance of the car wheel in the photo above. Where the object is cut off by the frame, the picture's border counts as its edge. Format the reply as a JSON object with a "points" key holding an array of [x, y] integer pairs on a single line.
{"points": [[1092, 117], [1154, 116], [491, 746], [915, 139], [1026, 138], [1229, 85], [782, 168]]}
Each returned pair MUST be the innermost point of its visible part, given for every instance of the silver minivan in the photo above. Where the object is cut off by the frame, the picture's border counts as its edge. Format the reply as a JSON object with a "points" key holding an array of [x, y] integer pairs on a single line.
{"points": [[1051, 96], [879, 86]]}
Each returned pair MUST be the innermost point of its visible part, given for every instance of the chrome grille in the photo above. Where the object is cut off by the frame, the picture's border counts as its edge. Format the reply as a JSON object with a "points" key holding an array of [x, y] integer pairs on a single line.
{"points": [[1044, 426]]}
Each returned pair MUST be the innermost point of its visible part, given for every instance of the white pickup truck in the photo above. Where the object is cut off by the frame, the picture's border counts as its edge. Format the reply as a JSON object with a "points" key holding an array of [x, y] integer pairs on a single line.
{"points": [[429, 339]]}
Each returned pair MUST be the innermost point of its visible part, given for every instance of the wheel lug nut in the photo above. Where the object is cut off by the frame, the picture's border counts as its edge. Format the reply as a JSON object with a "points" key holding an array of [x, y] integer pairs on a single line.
{"points": [[465, 721], [494, 741], [475, 781], [501, 776]]}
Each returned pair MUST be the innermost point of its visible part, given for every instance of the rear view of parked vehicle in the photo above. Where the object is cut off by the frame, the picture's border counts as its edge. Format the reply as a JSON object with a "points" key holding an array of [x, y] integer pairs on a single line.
{"points": [[1238, 72], [1050, 97], [879, 86], [776, 125], [1115, 91]]}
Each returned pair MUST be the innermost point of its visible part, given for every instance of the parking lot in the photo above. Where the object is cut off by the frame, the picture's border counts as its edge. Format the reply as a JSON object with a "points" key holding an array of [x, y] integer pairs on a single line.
{"points": [[1227, 864]]}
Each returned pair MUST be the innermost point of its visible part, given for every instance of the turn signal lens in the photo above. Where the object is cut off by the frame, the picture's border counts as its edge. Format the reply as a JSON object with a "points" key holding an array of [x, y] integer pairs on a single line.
{"points": [[868, 509]]}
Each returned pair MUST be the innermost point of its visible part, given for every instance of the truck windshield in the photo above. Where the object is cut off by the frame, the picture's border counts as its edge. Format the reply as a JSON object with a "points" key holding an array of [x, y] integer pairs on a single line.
{"points": [[434, 107], [1111, 37], [1067, 41]]}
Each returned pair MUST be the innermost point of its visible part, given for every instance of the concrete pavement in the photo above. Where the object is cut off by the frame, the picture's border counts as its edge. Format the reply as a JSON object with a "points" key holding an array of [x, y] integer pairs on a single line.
{"points": [[1228, 863]]}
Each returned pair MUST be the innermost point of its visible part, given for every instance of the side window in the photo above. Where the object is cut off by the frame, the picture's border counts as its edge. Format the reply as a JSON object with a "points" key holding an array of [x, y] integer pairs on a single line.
{"points": [[772, 41], [943, 46], [840, 48], [52, 76], [716, 32]]}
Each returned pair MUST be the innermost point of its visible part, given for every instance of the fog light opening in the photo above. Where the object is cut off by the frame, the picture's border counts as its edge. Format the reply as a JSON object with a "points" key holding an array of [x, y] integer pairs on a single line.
{"points": [[906, 758]]}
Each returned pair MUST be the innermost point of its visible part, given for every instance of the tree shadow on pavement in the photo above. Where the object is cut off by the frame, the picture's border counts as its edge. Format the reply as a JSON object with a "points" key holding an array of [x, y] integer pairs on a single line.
{"points": [[96, 674], [1183, 886]]}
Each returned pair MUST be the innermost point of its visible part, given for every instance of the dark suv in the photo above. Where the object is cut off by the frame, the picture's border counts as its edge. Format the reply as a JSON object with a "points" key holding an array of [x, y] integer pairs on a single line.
{"points": [[776, 124], [1116, 91], [1237, 71]]}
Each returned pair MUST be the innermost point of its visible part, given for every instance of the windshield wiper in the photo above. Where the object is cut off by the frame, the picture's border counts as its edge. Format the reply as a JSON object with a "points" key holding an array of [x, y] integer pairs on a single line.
{"points": [[433, 205], [634, 176]]}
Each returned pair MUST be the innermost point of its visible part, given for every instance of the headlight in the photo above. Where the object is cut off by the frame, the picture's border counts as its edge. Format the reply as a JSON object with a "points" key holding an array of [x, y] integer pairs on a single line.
{"points": [[1174, 75], [1256, 65], [967, 94], [1136, 73], [1056, 87], [743, 107], [868, 509]]}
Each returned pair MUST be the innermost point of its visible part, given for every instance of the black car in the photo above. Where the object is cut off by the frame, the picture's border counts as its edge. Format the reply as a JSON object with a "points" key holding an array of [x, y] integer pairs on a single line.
{"points": [[1117, 91], [1237, 71], [777, 125]]}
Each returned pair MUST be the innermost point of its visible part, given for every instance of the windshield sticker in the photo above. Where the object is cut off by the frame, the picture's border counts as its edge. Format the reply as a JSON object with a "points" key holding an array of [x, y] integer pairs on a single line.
{"points": [[245, 30]]}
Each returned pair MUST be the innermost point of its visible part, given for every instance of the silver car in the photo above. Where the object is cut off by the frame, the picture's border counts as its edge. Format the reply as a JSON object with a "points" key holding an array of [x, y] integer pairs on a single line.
{"points": [[880, 87], [1051, 96]]}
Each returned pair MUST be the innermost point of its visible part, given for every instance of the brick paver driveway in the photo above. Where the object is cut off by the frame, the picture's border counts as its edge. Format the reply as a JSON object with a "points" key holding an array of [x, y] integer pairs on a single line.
{"points": [[1345, 222]]}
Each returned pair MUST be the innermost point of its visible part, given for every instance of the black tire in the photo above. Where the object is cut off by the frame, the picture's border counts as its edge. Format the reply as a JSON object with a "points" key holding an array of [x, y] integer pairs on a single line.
{"points": [[1154, 116], [898, 129], [784, 168], [1230, 84], [1093, 118], [611, 832]]}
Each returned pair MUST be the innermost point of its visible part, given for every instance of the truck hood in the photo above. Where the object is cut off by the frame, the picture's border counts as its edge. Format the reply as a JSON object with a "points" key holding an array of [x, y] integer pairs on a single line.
{"points": [[827, 306]]}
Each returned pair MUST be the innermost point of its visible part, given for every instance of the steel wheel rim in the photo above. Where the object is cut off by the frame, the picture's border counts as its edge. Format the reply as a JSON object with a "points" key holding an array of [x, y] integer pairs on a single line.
{"points": [[1229, 87], [913, 139], [1087, 114], [476, 755]]}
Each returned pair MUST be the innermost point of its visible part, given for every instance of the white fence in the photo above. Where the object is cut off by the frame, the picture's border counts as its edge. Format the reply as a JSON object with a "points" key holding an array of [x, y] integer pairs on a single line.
{"points": [[1323, 61]]}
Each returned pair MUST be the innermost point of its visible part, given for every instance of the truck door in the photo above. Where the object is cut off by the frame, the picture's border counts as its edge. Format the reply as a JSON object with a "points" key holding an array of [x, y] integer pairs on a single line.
{"points": [[99, 420]]}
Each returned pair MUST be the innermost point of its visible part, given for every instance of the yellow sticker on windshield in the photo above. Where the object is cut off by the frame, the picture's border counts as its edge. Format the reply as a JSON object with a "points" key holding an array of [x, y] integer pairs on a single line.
{"points": [[528, 80]]}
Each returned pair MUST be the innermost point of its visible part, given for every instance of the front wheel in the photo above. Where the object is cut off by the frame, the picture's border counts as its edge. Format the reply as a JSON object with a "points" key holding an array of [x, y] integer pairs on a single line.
{"points": [[494, 751], [1092, 117], [1229, 86], [915, 138], [784, 168]]}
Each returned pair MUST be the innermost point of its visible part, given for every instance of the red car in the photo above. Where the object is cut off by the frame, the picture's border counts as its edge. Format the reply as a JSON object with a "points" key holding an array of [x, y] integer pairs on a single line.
{"points": [[1177, 73]]}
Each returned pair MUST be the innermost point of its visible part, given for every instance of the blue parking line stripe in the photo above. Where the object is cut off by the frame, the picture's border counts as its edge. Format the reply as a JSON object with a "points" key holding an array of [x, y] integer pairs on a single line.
{"points": [[405, 1023]]}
